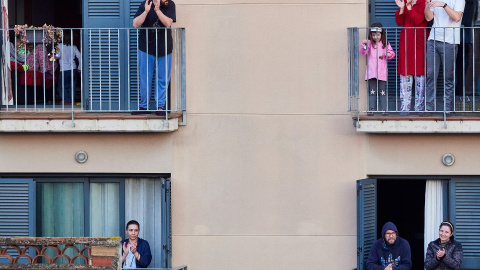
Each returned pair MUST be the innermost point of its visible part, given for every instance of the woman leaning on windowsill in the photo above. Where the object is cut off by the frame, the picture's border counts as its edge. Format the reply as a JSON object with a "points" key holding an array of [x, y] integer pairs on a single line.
{"points": [[444, 253]]}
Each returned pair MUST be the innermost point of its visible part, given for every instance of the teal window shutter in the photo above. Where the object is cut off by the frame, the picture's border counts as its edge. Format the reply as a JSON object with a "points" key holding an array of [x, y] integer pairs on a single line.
{"points": [[383, 11], [17, 207], [366, 219], [465, 214], [134, 82], [17, 210], [166, 224], [103, 57]]}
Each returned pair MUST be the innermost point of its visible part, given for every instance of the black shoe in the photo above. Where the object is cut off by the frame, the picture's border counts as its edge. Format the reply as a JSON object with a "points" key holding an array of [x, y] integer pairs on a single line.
{"points": [[369, 113], [403, 114], [141, 110], [425, 114]]}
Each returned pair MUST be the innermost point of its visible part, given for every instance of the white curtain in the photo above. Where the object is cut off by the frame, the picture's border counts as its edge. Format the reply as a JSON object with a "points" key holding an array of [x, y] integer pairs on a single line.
{"points": [[433, 211], [143, 204]]}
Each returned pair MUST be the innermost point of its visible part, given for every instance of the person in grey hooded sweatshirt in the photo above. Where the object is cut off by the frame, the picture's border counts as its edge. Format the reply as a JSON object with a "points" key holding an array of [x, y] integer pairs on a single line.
{"points": [[391, 252]]}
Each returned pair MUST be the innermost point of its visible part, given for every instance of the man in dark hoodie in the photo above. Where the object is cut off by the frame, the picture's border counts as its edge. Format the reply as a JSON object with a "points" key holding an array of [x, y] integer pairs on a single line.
{"points": [[390, 252]]}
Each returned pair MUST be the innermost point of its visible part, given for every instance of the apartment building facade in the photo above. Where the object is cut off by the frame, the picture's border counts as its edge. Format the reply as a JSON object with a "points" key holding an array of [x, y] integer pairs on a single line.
{"points": [[266, 165]]}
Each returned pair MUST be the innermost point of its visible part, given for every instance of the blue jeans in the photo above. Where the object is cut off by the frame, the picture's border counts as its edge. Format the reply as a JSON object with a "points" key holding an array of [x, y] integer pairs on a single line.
{"points": [[445, 53], [148, 64], [65, 85]]}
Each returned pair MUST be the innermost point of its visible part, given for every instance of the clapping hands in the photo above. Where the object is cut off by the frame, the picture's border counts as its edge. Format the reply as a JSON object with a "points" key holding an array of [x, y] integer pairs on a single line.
{"points": [[440, 253]]}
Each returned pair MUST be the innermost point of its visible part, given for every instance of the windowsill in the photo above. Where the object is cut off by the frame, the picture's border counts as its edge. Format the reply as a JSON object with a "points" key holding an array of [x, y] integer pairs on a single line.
{"points": [[87, 122], [436, 123]]}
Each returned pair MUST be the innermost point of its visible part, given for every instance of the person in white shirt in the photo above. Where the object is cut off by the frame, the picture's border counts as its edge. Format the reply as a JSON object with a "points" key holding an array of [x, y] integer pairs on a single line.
{"points": [[67, 80], [442, 47]]}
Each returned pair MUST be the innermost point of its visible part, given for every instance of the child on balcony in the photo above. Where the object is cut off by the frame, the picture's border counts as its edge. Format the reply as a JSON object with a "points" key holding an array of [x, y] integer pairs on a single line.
{"points": [[68, 68], [378, 51], [411, 56]]}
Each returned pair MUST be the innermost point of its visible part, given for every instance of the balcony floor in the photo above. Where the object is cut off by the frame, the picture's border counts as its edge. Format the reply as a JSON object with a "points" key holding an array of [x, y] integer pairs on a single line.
{"points": [[436, 123], [45, 121]]}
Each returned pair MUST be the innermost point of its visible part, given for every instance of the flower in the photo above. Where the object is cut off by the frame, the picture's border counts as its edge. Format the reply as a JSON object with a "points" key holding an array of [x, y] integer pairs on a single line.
{"points": [[52, 34]]}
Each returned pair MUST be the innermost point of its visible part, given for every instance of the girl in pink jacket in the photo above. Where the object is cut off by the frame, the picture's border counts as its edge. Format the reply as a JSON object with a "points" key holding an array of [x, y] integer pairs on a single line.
{"points": [[378, 51]]}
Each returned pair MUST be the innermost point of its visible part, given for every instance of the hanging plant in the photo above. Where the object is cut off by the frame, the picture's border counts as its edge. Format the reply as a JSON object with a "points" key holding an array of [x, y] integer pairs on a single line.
{"points": [[21, 34], [52, 34]]}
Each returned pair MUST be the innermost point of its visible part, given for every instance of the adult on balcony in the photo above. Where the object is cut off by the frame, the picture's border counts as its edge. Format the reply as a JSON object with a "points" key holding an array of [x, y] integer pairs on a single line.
{"points": [[154, 51], [410, 15], [442, 47], [136, 251]]}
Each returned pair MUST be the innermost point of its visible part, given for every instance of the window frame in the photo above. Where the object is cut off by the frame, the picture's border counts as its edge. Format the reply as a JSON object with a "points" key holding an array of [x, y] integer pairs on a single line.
{"points": [[86, 196], [449, 212]]}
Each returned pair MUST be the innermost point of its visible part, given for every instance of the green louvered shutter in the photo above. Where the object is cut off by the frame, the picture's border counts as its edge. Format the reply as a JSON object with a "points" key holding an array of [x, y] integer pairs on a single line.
{"points": [[166, 256], [103, 56], [366, 219], [465, 214]]}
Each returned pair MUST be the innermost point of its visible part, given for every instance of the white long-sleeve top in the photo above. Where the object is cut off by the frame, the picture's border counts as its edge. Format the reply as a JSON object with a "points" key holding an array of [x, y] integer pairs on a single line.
{"points": [[67, 58]]}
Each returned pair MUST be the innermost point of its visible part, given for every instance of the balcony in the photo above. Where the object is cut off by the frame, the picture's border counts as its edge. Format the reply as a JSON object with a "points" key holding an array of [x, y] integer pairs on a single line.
{"points": [[63, 253], [461, 116], [107, 88]]}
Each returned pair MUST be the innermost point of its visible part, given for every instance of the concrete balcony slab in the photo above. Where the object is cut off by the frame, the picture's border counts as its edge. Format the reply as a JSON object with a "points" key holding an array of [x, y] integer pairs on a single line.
{"points": [[456, 123], [86, 122]]}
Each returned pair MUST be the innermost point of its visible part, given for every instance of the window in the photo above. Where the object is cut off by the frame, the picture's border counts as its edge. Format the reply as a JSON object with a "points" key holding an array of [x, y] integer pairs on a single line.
{"points": [[78, 207], [461, 203]]}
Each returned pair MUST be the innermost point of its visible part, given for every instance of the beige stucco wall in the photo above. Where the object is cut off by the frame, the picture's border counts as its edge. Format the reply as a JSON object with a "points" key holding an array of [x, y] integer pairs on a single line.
{"points": [[263, 175]]}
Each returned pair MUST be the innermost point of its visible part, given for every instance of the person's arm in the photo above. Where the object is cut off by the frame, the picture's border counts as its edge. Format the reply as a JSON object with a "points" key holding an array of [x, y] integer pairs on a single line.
{"points": [[59, 54], [373, 262], [138, 20], [79, 57], [454, 260], [403, 6], [145, 254], [162, 17], [405, 258], [390, 52], [364, 44], [400, 17], [428, 13], [431, 261], [454, 15], [124, 251]]}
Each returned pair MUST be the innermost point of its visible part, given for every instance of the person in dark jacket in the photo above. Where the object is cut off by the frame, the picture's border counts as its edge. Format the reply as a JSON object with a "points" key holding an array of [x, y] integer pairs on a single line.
{"points": [[444, 253], [136, 251], [391, 252]]}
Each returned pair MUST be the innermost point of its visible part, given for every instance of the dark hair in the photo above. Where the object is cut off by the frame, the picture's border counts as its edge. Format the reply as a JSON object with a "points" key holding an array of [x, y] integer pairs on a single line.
{"points": [[448, 224], [383, 38], [67, 36], [11, 35], [134, 222]]}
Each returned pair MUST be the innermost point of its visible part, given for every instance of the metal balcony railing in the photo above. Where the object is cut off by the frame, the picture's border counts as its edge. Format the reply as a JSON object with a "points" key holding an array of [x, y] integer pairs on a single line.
{"points": [[466, 75], [36, 80]]}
